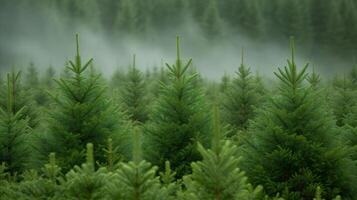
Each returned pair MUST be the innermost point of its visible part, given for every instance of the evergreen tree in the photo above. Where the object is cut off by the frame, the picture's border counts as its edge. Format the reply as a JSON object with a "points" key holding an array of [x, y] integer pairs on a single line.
{"points": [[212, 22], [241, 98], [343, 99], [178, 121], [14, 130], [218, 176], [293, 148], [135, 180], [22, 99], [85, 182], [31, 77], [127, 17], [45, 186], [225, 82], [82, 114], [133, 95], [49, 76]]}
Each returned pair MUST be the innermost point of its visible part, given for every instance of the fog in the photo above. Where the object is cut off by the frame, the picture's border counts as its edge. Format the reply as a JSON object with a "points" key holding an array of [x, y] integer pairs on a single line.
{"points": [[45, 39]]}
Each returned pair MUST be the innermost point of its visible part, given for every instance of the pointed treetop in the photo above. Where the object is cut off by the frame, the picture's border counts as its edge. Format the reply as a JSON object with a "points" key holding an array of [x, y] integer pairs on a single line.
{"points": [[90, 157], [216, 129], [9, 94], [178, 47], [136, 145], [134, 57], [77, 45], [292, 46], [177, 69], [242, 57]]}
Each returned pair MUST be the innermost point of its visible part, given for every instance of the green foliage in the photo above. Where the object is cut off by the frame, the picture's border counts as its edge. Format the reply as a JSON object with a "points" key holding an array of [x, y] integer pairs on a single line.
{"points": [[240, 99], [85, 182], [218, 176], [14, 131], [22, 99], [133, 95], [293, 148], [82, 114], [343, 99], [135, 180], [178, 121]]}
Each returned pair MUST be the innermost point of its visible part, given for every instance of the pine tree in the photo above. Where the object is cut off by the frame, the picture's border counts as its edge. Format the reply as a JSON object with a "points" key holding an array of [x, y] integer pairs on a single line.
{"points": [[343, 99], [212, 22], [14, 130], [85, 182], [135, 180], [22, 99], [48, 79], [82, 114], [218, 176], [31, 77], [225, 82], [241, 98], [45, 186], [127, 17], [133, 95], [314, 79], [178, 121], [293, 148]]}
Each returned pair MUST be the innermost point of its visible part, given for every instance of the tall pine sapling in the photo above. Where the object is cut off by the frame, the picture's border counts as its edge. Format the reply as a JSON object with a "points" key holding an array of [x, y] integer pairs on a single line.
{"points": [[241, 98], [137, 179], [133, 95], [14, 133], [178, 121], [85, 182], [22, 99], [82, 114], [292, 148], [218, 176]]}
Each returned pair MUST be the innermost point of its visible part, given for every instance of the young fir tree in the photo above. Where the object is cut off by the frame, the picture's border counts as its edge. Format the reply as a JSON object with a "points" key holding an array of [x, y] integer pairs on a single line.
{"points": [[82, 114], [293, 148], [14, 130], [133, 95], [225, 82], [178, 121], [31, 77], [241, 98], [342, 99], [218, 176], [135, 180], [44, 186], [22, 99], [212, 22], [85, 182]]}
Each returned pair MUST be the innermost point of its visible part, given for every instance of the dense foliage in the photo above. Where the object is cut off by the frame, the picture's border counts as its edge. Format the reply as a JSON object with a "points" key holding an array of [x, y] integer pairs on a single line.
{"points": [[169, 134]]}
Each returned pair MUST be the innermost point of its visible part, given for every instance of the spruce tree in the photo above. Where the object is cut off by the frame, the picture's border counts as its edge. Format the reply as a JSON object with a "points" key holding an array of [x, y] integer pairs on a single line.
{"points": [[133, 97], [137, 179], [225, 82], [82, 114], [44, 186], [178, 121], [218, 175], [293, 148], [343, 99], [85, 182], [127, 17], [240, 99], [14, 134], [212, 22], [22, 99]]}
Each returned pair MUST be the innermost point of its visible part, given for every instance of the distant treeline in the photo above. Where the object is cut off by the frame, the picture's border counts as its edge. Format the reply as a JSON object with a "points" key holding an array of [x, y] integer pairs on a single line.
{"points": [[321, 25]]}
